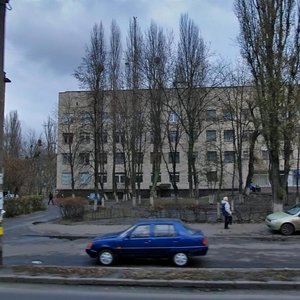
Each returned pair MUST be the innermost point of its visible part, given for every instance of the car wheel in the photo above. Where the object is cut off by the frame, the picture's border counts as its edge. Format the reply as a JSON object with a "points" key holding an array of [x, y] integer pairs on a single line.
{"points": [[287, 229], [180, 259], [106, 257]]}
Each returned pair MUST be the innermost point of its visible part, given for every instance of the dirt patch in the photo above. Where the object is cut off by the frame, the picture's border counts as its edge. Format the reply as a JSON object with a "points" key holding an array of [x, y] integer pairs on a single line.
{"points": [[162, 274]]}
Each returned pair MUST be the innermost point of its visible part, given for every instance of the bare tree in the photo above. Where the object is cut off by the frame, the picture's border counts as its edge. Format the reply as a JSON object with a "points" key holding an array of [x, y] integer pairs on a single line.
{"points": [[269, 42], [136, 103], [13, 135], [195, 79], [238, 111], [157, 65], [92, 75], [115, 84], [173, 135], [49, 155], [13, 164]]}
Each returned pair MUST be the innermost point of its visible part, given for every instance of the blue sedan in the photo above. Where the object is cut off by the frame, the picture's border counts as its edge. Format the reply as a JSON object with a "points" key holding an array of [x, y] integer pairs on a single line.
{"points": [[150, 238]]}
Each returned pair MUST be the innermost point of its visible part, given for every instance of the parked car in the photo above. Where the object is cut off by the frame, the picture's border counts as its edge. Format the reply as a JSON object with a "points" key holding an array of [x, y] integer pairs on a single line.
{"points": [[8, 195], [254, 187], [94, 196], [287, 222], [150, 238]]}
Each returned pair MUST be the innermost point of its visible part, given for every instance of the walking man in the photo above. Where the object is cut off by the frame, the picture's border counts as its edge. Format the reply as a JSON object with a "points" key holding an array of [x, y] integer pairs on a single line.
{"points": [[226, 212], [50, 199]]}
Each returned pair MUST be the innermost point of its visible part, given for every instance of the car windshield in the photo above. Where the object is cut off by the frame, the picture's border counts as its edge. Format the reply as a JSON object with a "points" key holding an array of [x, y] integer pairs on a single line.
{"points": [[124, 233], [294, 210]]}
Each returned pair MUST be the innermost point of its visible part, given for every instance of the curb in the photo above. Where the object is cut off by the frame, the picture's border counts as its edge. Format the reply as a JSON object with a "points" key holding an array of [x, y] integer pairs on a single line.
{"points": [[121, 278], [224, 285]]}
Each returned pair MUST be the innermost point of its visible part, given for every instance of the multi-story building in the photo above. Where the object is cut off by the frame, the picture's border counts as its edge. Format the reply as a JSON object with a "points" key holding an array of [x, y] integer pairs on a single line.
{"points": [[214, 150]]}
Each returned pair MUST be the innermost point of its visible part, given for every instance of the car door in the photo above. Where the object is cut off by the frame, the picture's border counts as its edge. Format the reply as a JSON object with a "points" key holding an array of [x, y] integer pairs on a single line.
{"points": [[165, 240], [138, 242]]}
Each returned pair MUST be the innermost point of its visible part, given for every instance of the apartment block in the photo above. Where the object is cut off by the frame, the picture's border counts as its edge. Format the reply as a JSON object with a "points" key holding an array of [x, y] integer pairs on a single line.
{"points": [[123, 123]]}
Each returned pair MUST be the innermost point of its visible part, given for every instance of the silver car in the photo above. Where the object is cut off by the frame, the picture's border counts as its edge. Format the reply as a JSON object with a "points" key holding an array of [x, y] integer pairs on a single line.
{"points": [[287, 222]]}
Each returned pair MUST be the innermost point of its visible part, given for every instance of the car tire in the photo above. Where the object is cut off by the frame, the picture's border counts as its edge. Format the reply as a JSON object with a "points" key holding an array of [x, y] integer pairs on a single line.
{"points": [[106, 257], [180, 259], [287, 229]]}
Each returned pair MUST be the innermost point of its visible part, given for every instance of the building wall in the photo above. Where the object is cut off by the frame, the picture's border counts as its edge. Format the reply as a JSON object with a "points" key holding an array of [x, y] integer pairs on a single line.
{"points": [[73, 105]]}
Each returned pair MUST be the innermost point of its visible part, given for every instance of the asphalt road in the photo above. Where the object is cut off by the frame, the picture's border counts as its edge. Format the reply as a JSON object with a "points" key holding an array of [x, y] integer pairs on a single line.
{"points": [[225, 253], [22, 248], [47, 292]]}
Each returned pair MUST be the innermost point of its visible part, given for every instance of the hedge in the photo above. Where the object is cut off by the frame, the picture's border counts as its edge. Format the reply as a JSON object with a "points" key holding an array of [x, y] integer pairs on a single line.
{"points": [[23, 205]]}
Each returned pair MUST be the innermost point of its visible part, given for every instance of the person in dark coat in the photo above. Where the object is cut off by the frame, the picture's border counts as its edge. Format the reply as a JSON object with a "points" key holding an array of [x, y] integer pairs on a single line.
{"points": [[50, 199]]}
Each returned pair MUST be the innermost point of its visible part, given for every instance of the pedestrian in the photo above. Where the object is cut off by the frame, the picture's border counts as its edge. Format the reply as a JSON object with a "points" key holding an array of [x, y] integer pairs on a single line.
{"points": [[50, 199], [226, 212]]}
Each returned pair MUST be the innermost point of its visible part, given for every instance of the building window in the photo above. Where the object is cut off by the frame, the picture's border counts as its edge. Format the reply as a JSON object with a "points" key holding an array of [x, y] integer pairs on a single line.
{"points": [[104, 137], [86, 117], [211, 115], [195, 156], [67, 158], [120, 177], [245, 154], [66, 178], [84, 158], [174, 157], [173, 136], [173, 117], [158, 179], [84, 178], [152, 137], [246, 113], [103, 157], [212, 176], [102, 177], [67, 118], [68, 138], [212, 156], [174, 177], [156, 155], [228, 116], [139, 158], [265, 154], [120, 158], [85, 137], [105, 116], [211, 135], [246, 135], [139, 177], [229, 156], [228, 135], [120, 138]]}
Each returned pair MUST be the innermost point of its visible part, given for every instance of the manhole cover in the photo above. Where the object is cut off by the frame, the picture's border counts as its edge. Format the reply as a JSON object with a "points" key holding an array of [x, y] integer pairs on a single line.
{"points": [[36, 262]]}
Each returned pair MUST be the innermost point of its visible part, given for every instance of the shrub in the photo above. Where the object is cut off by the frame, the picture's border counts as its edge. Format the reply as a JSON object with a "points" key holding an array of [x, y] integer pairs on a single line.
{"points": [[23, 205], [72, 208]]}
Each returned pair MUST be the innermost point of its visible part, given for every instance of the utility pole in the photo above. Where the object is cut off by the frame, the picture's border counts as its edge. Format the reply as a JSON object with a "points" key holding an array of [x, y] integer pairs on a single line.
{"points": [[3, 80]]}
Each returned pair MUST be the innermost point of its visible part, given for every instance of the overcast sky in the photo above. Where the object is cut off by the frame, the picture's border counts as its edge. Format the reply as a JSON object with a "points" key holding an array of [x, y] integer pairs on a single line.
{"points": [[45, 41]]}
